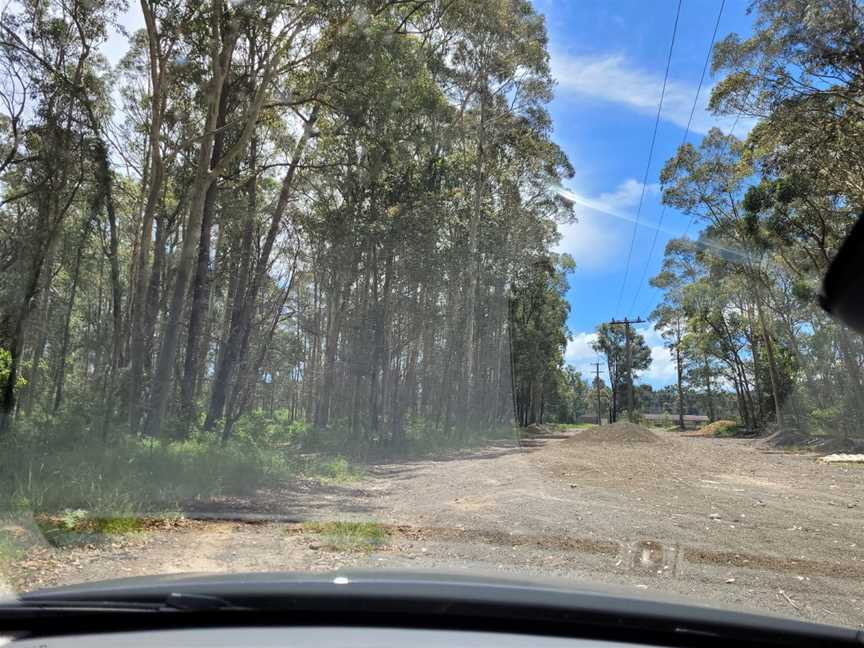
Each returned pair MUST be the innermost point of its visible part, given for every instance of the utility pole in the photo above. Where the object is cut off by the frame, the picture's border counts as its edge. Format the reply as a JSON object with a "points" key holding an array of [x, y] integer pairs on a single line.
{"points": [[597, 385], [628, 359]]}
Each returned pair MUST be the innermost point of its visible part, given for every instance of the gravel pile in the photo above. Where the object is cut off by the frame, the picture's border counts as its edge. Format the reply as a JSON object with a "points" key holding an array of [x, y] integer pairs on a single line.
{"points": [[621, 432]]}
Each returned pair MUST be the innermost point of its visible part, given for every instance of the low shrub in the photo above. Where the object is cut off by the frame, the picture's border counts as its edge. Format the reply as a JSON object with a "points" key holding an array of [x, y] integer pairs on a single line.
{"points": [[335, 470], [720, 429]]}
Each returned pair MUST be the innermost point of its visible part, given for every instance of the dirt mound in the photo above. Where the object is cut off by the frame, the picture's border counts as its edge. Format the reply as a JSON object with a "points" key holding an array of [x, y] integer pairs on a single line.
{"points": [[621, 432], [786, 439], [789, 439]]}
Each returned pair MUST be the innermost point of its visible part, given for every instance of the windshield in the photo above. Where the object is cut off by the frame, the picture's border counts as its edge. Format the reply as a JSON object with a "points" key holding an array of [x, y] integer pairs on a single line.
{"points": [[518, 288]]}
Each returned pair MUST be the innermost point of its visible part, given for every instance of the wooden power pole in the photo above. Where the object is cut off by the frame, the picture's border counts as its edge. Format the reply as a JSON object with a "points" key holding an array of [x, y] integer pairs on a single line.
{"points": [[597, 386], [628, 359]]}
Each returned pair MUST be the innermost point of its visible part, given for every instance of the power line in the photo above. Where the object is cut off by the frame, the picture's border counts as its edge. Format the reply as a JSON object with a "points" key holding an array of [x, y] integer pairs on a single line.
{"points": [[650, 155], [683, 142]]}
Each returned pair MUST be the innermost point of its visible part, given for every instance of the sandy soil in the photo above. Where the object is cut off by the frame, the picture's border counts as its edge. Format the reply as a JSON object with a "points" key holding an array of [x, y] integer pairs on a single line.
{"points": [[709, 520]]}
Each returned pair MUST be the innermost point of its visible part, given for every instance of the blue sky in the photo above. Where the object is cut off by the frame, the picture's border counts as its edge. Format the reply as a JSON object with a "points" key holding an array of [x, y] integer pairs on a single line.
{"points": [[608, 58]]}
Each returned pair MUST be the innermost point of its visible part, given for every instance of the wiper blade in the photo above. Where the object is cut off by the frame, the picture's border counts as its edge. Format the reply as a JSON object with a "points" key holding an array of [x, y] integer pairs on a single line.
{"points": [[175, 601], [198, 602]]}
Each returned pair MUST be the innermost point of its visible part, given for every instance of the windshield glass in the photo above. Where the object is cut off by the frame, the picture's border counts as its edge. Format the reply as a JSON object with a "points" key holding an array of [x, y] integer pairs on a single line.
{"points": [[497, 286]]}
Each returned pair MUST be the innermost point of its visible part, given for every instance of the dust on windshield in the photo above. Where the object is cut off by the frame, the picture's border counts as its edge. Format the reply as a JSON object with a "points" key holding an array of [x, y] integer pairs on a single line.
{"points": [[524, 289]]}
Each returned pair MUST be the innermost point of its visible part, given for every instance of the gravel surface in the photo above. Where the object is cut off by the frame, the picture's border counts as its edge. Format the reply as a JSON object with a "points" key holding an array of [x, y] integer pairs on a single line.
{"points": [[715, 521]]}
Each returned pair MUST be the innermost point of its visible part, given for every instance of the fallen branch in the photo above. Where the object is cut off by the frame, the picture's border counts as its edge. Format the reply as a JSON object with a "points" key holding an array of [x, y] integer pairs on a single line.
{"points": [[789, 599]]}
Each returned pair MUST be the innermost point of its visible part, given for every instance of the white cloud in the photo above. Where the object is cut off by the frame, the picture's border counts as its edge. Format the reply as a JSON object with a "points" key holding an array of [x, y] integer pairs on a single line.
{"points": [[580, 355], [661, 372], [579, 349], [594, 240], [614, 79], [626, 194]]}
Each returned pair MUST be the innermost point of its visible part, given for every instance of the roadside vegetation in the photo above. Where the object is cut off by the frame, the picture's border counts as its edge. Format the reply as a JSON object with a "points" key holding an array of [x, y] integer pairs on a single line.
{"points": [[720, 429], [347, 535]]}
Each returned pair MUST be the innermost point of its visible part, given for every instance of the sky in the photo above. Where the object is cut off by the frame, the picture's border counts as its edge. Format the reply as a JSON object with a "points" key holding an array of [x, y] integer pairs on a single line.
{"points": [[608, 59]]}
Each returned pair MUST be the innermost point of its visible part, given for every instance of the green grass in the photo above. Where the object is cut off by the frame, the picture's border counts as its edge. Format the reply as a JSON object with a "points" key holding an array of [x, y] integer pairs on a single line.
{"points": [[10, 549], [349, 536], [79, 526], [130, 477], [119, 525], [335, 470], [118, 483]]}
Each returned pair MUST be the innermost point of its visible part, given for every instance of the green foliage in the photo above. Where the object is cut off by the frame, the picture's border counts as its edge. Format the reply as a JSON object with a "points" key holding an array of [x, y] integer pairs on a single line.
{"points": [[11, 548], [830, 419], [569, 397], [612, 342], [635, 416], [538, 337], [330, 317], [5, 368], [277, 429]]}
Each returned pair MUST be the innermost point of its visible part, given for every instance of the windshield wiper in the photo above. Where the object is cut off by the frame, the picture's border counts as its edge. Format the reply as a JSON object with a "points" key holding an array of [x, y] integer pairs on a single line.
{"points": [[174, 601]]}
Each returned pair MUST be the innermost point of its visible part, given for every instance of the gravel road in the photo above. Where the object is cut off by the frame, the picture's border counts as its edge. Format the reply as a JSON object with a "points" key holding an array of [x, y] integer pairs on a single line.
{"points": [[711, 520]]}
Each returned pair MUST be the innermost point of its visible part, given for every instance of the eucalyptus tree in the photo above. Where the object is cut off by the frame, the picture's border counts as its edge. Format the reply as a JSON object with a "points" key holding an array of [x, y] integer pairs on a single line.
{"points": [[56, 148], [612, 341], [800, 73]]}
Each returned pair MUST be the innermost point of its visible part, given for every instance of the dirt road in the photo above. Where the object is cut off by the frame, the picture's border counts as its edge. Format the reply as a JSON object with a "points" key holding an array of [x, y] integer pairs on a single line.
{"points": [[713, 520]]}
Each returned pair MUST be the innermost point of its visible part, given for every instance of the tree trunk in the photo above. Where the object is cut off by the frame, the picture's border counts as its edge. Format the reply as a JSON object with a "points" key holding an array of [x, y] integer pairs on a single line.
{"points": [[140, 340], [472, 266], [772, 366], [22, 310], [201, 286], [231, 352], [679, 371], [708, 392], [163, 374], [336, 307], [64, 346], [853, 369], [31, 394]]}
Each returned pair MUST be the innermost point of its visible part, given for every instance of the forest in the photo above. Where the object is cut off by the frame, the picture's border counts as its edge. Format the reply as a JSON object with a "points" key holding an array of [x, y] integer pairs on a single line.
{"points": [[326, 224]]}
